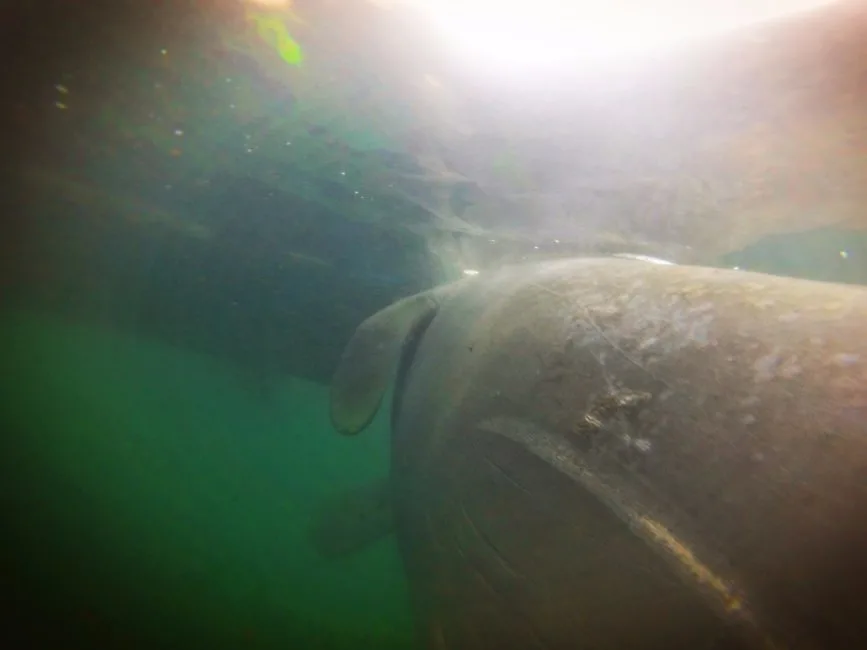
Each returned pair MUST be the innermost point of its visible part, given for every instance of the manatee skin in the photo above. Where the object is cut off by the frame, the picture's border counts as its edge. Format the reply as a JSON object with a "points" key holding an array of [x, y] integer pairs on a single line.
{"points": [[610, 454]]}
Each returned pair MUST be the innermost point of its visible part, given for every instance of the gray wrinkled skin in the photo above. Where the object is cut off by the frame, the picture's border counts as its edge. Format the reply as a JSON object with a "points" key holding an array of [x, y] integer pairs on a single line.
{"points": [[611, 454]]}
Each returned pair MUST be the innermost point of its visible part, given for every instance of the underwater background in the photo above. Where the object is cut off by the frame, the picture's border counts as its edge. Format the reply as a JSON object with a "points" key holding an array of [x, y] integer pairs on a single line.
{"points": [[156, 498], [152, 501], [198, 212]]}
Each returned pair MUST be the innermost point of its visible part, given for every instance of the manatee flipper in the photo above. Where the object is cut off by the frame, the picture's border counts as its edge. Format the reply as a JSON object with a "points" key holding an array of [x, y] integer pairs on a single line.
{"points": [[353, 520], [370, 357], [364, 515]]}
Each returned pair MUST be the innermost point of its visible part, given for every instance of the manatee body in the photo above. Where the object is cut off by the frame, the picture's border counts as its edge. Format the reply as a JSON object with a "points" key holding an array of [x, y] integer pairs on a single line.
{"points": [[614, 454]]}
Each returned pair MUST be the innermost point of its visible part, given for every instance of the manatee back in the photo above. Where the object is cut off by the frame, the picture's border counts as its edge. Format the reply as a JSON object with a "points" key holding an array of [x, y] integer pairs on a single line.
{"points": [[613, 454]]}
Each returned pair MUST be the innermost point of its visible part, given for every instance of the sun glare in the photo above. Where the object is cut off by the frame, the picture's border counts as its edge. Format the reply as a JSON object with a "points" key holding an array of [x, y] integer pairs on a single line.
{"points": [[515, 32]]}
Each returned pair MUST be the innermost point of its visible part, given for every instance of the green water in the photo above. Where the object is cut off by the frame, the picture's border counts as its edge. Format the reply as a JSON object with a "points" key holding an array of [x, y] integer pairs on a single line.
{"points": [[152, 501]]}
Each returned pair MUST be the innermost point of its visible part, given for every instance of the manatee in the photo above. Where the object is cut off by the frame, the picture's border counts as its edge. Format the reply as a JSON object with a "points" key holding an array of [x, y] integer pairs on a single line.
{"points": [[615, 454]]}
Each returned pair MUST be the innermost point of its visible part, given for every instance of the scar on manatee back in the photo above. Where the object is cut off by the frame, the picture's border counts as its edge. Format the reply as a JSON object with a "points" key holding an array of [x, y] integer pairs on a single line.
{"points": [[616, 406]]}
